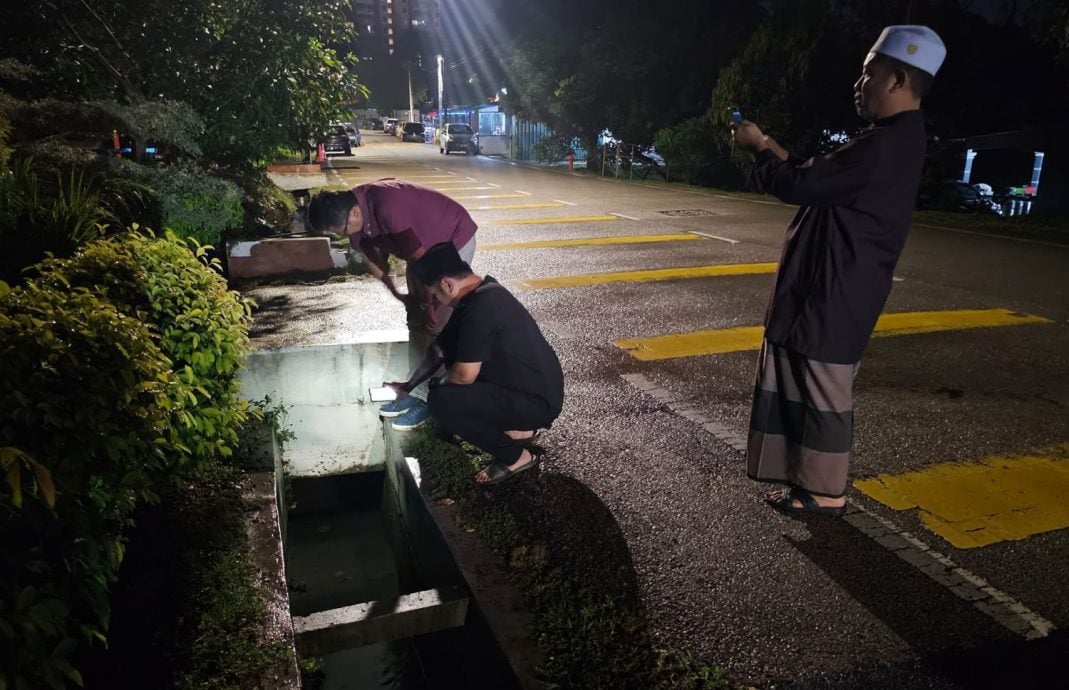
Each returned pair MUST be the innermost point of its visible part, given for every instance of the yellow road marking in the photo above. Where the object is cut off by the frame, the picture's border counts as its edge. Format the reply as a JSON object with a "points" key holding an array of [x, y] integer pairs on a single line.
{"points": [[645, 276], [559, 219], [619, 239], [985, 502], [719, 341], [463, 189], [494, 196], [492, 208]]}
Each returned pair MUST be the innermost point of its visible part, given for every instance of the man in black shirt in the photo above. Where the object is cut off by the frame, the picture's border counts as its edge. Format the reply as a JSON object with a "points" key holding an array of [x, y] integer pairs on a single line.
{"points": [[835, 271], [503, 381]]}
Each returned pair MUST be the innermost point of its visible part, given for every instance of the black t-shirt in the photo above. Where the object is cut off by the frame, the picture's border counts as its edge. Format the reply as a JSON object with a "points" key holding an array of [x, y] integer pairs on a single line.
{"points": [[489, 325]]}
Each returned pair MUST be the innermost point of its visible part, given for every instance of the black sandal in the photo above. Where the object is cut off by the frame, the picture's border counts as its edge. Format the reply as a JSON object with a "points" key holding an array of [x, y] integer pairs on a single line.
{"points": [[785, 504]]}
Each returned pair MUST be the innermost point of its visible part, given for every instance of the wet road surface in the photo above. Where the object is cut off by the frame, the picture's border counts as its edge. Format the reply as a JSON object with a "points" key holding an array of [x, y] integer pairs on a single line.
{"points": [[950, 571]]}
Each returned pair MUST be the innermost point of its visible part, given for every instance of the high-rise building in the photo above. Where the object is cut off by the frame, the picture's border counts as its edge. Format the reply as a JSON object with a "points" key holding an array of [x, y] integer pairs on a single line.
{"points": [[381, 23]]}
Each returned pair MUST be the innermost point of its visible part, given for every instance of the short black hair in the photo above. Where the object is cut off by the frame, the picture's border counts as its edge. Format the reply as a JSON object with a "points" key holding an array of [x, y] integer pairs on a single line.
{"points": [[920, 82], [329, 209], [440, 261]]}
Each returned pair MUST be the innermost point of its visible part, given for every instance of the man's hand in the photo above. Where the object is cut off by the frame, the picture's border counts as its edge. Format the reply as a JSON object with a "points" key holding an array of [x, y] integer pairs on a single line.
{"points": [[387, 280], [749, 137], [401, 387]]}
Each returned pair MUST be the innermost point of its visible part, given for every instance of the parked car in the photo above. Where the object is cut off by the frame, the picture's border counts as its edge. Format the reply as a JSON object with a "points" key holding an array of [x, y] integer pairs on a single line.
{"points": [[337, 140], [373, 123], [412, 131], [390, 126], [352, 132], [458, 137]]}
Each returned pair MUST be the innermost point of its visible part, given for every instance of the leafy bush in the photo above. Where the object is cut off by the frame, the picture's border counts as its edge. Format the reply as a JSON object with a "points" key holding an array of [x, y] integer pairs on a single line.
{"points": [[88, 396], [551, 149], [193, 203], [697, 151], [199, 324], [42, 214], [118, 379], [268, 207]]}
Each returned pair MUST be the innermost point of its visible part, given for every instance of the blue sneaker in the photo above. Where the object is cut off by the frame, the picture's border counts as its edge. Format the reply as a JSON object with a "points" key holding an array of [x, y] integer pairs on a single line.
{"points": [[414, 417], [398, 407]]}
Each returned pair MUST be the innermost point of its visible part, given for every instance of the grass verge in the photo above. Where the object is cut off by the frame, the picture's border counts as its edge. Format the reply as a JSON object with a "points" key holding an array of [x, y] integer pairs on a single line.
{"points": [[565, 553]]}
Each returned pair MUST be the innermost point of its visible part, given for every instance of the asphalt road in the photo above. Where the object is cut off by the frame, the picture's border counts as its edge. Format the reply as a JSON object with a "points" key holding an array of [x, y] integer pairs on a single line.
{"points": [[950, 572]]}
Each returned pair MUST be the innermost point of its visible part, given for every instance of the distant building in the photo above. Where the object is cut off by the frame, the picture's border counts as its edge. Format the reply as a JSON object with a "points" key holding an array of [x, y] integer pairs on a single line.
{"points": [[381, 23]]}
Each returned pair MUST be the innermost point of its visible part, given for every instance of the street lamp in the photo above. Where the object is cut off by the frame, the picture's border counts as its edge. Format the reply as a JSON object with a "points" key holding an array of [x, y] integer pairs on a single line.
{"points": [[441, 119]]}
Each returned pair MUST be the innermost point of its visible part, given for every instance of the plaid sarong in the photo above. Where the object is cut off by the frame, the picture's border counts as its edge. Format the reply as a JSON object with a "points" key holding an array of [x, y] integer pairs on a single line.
{"points": [[802, 422]]}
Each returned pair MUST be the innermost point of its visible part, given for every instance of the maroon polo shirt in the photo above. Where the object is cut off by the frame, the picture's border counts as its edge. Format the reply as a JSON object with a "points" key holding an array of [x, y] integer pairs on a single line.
{"points": [[401, 217]]}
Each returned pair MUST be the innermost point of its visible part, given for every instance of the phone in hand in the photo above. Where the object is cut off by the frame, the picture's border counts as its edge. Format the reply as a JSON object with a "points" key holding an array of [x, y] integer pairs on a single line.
{"points": [[384, 394], [736, 115]]}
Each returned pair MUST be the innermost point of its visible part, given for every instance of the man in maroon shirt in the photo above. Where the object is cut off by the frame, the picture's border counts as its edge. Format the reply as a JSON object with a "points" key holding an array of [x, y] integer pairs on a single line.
{"points": [[399, 218]]}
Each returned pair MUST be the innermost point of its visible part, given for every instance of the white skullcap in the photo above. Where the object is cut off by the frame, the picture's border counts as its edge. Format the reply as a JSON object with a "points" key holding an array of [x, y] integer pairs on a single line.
{"points": [[918, 46]]}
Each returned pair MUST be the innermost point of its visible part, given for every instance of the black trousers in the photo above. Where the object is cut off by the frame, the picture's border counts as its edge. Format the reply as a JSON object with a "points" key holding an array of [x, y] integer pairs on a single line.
{"points": [[481, 413]]}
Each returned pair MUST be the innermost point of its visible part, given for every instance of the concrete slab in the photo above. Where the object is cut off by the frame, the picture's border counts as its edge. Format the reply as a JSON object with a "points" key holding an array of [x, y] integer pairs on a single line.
{"points": [[408, 615], [325, 390]]}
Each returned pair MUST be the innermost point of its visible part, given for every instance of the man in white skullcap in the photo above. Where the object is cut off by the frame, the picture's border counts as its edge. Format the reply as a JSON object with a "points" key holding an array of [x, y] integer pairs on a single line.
{"points": [[835, 271]]}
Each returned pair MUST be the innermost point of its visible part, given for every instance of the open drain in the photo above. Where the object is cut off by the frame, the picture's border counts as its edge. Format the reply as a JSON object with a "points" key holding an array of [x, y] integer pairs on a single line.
{"points": [[688, 212]]}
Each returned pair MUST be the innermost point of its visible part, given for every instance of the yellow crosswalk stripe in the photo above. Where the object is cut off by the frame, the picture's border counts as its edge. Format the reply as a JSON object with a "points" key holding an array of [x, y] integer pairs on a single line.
{"points": [[445, 190], [720, 341], [973, 504], [645, 276], [590, 241], [505, 206], [559, 219]]}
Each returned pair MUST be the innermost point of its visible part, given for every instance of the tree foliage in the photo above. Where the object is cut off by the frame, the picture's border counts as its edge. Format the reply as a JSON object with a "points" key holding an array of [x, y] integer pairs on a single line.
{"points": [[627, 66], [260, 73]]}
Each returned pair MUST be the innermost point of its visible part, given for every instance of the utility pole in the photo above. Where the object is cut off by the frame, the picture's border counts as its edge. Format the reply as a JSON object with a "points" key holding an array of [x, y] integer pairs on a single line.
{"points": [[411, 108]]}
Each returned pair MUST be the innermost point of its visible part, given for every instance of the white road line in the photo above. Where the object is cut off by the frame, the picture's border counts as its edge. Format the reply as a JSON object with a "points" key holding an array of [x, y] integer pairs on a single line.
{"points": [[520, 191], [989, 600], [896, 279], [620, 215], [713, 237], [991, 235], [567, 203]]}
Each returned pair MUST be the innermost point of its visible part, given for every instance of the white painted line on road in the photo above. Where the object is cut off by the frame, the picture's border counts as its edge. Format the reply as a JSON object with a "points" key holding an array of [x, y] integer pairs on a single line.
{"points": [[520, 191], [713, 237], [567, 203], [965, 584], [896, 279], [989, 600], [620, 215], [991, 235], [752, 201]]}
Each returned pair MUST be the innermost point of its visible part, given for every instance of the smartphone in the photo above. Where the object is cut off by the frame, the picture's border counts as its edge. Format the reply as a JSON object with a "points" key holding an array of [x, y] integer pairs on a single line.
{"points": [[384, 394], [736, 114]]}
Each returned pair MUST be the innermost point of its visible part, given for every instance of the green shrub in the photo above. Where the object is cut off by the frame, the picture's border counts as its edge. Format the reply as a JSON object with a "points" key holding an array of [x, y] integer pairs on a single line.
{"points": [[88, 396], [193, 203], [197, 322], [268, 208], [697, 151], [55, 213], [551, 149]]}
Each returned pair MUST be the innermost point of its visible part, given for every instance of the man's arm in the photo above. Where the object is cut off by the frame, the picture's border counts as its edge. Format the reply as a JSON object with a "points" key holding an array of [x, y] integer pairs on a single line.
{"points": [[378, 264], [829, 180], [464, 373], [432, 361]]}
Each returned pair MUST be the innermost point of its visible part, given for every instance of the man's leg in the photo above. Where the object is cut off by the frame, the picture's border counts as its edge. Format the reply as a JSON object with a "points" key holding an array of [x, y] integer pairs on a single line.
{"points": [[801, 424], [480, 413]]}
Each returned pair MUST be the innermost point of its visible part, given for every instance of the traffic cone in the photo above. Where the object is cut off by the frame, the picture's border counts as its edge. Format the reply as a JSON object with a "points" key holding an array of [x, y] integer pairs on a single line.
{"points": [[321, 154]]}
